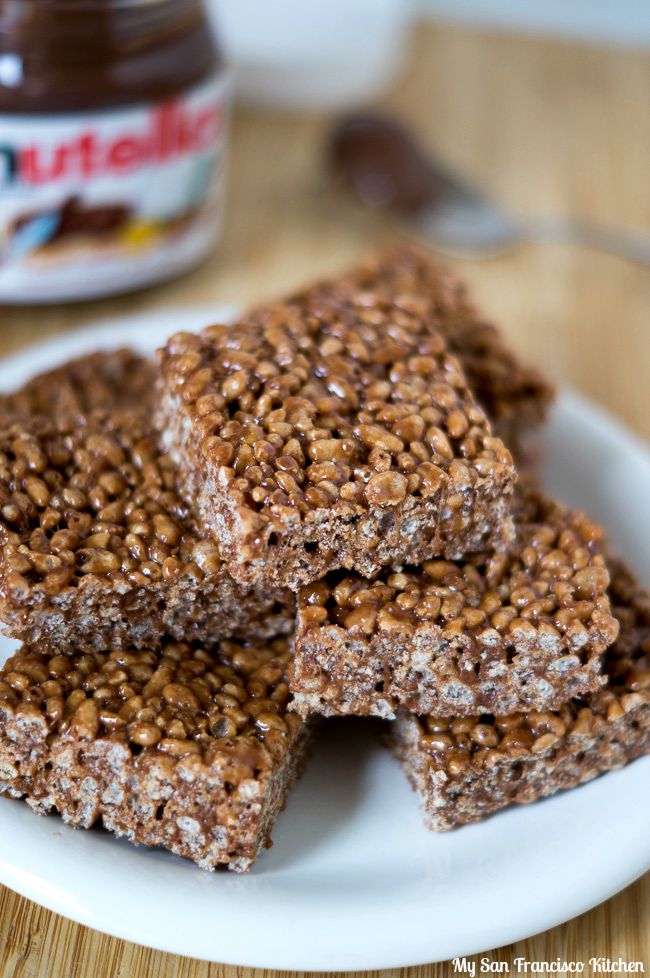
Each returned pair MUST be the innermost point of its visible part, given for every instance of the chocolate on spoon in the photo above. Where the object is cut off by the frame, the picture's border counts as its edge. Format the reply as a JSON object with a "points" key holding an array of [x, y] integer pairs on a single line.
{"points": [[381, 162]]}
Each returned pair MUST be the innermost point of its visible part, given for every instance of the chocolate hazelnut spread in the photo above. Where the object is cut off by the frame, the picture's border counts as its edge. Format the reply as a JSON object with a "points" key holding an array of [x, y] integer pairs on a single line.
{"points": [[377, 158], [113, 117]]}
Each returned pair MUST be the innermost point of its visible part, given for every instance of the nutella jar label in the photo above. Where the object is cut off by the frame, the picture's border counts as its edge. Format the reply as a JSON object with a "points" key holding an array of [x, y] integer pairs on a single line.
{"points": [[102, 202]]}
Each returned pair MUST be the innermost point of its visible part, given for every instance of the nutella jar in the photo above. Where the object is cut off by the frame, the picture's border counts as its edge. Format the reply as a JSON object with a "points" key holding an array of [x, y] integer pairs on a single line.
{"points": [[113, 125]]}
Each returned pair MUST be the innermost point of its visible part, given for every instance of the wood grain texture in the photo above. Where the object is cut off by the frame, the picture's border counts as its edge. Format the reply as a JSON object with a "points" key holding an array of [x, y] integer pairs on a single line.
{"points": [[548, 128]]}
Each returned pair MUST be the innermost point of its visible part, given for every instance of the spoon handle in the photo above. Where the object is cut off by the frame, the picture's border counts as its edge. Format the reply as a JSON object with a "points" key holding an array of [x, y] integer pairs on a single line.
{"points": [[632, 245]]}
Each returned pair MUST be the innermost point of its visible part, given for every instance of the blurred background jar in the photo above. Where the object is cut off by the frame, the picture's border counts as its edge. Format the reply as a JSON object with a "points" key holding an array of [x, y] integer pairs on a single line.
{"points": [[113, 130], [314, 54]]}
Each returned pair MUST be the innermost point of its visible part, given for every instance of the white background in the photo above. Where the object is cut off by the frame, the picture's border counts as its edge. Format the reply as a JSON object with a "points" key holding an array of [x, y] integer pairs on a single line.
{"points": [[601, 21]]}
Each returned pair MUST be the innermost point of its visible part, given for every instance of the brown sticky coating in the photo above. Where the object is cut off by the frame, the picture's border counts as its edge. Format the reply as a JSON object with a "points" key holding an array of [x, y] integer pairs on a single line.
{"points": [[187, 748], [97, 548], [514, 394], [333, 432], [107, 380], [500, 633], [465, 769]]}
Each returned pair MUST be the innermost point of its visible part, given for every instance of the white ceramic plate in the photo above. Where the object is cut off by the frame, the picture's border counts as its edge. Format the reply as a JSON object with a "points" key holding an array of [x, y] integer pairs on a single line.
{"points": [[354, 881]]}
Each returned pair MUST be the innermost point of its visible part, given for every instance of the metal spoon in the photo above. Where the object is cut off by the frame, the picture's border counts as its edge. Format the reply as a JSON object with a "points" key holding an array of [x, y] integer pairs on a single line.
{"points": [[385, 167]]}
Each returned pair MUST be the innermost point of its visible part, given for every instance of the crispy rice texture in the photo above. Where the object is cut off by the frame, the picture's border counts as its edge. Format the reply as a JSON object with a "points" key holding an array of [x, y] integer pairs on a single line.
{"points": [[333, 430], [515, 395], [499, 633], [465, 769], [189, 749], [111, 380], [97, 548]]}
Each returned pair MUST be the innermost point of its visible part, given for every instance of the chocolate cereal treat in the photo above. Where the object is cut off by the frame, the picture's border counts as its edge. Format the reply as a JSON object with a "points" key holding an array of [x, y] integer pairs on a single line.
{"points": [[107, 380], [514, 394], [333, 433], [465, 769], [97, 549], [187, 748], [498, 633]]}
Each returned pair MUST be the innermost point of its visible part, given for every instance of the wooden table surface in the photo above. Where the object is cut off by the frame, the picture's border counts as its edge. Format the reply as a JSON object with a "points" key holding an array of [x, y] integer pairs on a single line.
{"points": [[547, 128]]}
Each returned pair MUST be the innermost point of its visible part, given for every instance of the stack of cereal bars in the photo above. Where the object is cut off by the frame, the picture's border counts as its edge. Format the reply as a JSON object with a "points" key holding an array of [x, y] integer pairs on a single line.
{"points": [[311, 512]]}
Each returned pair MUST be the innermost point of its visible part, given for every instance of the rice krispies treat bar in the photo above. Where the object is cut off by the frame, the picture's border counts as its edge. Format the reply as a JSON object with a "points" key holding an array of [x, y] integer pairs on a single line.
{"points": [[327, 433], [514, 394], [190, 749], [97, 549], [498, 633], [465, 769], [108, 380]]}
